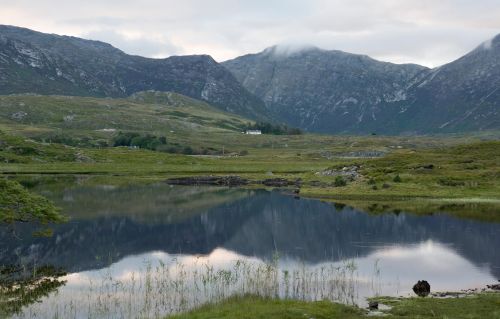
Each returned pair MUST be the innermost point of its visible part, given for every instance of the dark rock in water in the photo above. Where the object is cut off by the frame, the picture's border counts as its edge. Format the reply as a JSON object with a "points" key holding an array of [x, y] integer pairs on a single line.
{"points": [[422, 288], [209, 180], [277, 182], [494, 286], [372, 305]]}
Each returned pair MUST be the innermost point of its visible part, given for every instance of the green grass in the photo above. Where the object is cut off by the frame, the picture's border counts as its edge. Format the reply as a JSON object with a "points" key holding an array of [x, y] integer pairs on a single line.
{"points": [[486, 305], [19, 205], [255, 307], [464, 167]]}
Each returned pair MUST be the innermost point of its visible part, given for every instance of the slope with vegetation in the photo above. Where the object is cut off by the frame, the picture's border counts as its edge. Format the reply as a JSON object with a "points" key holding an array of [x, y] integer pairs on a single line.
{"points": [[35, 62]]}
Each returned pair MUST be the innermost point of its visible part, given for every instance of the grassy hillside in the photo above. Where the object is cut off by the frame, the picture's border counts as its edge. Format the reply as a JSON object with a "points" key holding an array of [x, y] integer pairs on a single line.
{"points": [[436, 172], [84, 121]]}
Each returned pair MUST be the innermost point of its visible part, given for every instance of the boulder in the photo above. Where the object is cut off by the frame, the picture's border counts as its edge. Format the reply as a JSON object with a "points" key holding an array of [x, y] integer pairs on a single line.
{"points": [[422, 288], [373, 305]]}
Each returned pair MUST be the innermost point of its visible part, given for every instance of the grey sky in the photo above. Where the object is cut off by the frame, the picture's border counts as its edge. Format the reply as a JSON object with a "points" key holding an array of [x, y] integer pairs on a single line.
{"points": [[427, 32]]}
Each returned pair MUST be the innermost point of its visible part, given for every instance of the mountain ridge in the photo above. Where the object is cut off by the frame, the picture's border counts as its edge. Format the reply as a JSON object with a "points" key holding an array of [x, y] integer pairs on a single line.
{"points": [[35, 62], [326, 91], [332, 91]]}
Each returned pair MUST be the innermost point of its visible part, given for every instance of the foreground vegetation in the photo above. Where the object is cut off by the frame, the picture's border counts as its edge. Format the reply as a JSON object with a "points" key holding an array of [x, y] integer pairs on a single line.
{"points": [[19, 205], [486, 305]]}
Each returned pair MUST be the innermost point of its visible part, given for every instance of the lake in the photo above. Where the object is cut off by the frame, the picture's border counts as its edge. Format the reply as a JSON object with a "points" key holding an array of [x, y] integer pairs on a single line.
{"points": [[155, 249]]}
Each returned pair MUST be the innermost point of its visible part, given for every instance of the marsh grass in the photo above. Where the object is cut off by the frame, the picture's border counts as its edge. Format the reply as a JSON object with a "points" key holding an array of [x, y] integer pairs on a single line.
{"points": [[162, 288]]}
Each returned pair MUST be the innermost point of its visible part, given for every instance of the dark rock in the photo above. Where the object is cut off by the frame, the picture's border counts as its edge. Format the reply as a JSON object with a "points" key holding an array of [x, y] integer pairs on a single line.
{"points": [[494, 286], [277, 182], [315, 183], [209, 180], [372, 305], [422, 288]]}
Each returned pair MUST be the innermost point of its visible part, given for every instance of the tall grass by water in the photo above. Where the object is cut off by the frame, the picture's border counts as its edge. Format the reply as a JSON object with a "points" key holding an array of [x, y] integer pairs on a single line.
{"points": [[161, 288]]}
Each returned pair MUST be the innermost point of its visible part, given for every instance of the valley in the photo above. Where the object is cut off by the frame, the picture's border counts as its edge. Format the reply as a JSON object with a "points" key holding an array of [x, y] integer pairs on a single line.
{"points": [[299, 181]]}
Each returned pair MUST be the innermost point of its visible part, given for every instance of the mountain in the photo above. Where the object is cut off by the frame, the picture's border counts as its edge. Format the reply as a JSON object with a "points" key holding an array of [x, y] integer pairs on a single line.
{"points": [[314, 89], [323, 91], [34, 62], [338, 92], [463, 95]]}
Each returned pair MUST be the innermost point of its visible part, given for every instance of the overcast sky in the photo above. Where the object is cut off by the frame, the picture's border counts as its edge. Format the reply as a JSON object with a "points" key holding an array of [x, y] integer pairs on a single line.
{"points": [[427, 32]]}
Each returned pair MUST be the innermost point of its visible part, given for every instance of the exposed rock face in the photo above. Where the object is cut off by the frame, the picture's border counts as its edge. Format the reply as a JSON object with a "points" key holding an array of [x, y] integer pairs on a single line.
{"points": [[325, 91], [33, 62], [337, 92], [460, 96], [422, 288], [349, 172]]}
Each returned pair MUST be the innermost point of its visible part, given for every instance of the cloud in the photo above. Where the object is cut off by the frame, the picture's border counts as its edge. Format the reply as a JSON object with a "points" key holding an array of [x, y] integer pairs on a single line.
{"points": [[428, 32], [136, 44]]}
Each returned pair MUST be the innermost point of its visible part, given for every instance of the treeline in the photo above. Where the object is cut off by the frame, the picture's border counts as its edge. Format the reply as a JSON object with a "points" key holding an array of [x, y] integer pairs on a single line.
{"points": [[132, 139], [160, 144], [275, 129]]}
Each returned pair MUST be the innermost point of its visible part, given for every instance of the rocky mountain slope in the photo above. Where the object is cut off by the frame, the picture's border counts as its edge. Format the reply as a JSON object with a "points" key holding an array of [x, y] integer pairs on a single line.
{"points": [[463, 95], [318, 90], [34, 62], [338, 92]]}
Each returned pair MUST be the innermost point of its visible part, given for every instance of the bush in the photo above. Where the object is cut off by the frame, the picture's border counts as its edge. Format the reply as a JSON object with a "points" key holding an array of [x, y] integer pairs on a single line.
{"points": [[397, 179], [187, 150], [339, 181], [371, 181], [450, 182]]}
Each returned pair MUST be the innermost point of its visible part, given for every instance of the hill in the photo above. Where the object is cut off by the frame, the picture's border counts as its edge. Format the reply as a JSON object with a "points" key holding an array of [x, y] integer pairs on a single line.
{"points": [[34, 62]]}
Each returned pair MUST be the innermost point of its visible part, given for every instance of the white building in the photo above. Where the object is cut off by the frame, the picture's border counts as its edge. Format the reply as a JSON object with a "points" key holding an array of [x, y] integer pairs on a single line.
{"points": [[253, 132]]}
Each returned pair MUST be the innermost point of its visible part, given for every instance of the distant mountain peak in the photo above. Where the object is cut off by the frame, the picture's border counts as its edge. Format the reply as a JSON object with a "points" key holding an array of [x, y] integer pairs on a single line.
{"points": [[286, 50], [333, 91]]}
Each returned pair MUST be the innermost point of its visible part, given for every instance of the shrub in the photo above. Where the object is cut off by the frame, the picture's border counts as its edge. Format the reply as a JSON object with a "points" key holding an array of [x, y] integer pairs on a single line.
{"points": [[450, 182], [397, 179], [339, 181], [187, 150]]}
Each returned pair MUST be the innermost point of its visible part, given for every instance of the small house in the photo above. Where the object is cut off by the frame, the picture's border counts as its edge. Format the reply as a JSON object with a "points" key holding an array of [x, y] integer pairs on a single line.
{"points": [[253, 132]]}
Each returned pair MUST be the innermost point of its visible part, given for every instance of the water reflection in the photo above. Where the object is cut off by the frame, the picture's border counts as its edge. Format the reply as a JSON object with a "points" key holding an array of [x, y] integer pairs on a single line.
{"points": [[115, 232]]}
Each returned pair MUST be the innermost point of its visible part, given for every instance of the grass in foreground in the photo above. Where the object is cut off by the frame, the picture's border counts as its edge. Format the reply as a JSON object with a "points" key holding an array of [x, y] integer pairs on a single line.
{"points": [[256, 307], [486, 305]]}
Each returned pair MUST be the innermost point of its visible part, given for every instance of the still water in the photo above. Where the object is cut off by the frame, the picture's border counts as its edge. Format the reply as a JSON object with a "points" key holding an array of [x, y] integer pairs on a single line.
{"points": [[152, 250]]}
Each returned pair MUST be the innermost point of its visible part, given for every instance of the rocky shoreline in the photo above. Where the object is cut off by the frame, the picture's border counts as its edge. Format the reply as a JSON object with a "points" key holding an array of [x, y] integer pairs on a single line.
{"points": [[232, 181]]}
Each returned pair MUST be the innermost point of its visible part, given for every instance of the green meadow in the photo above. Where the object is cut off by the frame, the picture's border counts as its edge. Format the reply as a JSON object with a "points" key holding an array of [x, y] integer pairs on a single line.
{"points": [[74, 135]]}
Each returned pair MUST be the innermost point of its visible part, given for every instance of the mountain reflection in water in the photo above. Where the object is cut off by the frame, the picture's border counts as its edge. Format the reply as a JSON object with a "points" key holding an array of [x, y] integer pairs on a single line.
{"points": [[115, 231]]}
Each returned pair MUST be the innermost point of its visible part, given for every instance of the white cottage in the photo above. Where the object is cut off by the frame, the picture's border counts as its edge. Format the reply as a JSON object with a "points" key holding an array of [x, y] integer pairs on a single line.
{"points": [[253, 132]]}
